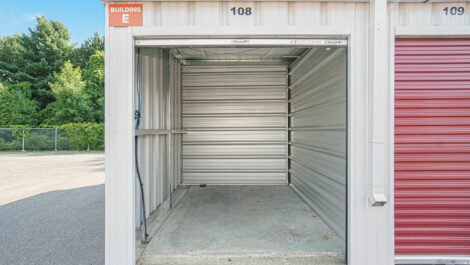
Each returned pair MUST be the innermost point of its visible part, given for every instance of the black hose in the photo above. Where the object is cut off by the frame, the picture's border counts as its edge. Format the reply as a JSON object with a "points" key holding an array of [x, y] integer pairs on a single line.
{"points": [[141, 190]]}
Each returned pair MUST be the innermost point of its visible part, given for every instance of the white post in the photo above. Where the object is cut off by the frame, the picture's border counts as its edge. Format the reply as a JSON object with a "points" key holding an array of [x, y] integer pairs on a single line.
{"points": [[378, 107], [119, 145], [23, 140], [55, 139], [379, 193]]}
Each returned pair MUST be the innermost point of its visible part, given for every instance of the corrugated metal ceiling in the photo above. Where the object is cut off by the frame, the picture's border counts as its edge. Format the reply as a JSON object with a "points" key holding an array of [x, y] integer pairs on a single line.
{"points": [[248, 53]]}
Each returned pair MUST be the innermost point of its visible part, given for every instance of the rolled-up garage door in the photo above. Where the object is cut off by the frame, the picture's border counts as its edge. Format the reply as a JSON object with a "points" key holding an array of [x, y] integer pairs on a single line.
{"points": [[432, 147], [236, 117]]}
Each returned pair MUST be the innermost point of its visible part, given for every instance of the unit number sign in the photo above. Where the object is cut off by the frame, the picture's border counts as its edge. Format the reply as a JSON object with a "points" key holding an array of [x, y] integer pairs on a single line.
{"points": [[454, 11], [241, 11]]}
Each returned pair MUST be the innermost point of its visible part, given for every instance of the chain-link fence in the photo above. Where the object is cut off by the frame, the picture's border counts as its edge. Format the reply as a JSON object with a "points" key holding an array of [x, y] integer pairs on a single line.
{"points": [[50, 139]]}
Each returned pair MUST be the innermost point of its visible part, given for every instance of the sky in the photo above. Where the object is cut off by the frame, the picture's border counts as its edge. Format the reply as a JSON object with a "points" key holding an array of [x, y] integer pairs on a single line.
{"points": [[81, 17]]}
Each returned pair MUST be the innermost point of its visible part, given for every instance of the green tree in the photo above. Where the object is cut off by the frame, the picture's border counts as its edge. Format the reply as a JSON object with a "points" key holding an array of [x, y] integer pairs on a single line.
{"points": [[16, 106], [10, 49], [94, 85], [88, 48], [34, 57], [43, 51], [72, 104]]}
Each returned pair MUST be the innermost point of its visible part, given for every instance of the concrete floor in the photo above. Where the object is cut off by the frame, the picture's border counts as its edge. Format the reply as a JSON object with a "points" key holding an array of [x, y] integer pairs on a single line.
{"points": [[243, 225], [51, 209]]}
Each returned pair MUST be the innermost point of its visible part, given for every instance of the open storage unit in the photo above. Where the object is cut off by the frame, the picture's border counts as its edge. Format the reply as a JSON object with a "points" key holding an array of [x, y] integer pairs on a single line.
{"points": [[282, 157], [262, 116]]}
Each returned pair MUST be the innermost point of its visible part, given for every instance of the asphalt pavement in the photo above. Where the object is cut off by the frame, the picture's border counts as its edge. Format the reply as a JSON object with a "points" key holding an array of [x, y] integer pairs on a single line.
{"points": [[52, 209]]}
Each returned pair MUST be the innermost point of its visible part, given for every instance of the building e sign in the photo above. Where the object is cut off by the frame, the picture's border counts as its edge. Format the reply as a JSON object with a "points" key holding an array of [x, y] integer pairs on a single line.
{"points": [[125, 15]]}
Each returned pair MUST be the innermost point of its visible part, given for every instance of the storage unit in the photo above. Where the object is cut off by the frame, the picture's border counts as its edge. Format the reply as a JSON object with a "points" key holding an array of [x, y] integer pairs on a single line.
{"points": [[245, 116], [356, 107], [261, 115]]}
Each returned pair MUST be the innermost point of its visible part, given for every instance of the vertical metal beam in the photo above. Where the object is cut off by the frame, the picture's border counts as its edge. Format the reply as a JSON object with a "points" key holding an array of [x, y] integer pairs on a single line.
{"points": [[370, 229], [378, 107], [119, 156], [170, 127], [379, 237]]}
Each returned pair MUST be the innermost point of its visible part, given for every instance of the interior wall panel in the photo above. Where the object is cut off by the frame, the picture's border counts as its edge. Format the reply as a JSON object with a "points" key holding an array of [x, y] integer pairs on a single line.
{"points": [[153, 149], [236, 118], [318, 88]]}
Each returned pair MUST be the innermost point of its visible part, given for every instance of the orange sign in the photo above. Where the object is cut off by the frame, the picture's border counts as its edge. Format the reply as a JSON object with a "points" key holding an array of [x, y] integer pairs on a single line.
{"points": [[125, 15]]}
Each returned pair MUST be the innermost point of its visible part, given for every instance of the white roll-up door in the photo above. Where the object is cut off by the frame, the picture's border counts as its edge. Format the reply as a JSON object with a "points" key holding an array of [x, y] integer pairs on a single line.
{"points": [[236, 118]]}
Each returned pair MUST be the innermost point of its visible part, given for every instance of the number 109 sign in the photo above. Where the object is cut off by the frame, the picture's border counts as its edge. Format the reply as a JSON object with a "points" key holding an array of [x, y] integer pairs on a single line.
{"points": [[125, 15]]}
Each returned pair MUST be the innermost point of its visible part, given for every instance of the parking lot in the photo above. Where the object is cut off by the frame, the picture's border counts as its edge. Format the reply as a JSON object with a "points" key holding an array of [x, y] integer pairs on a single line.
{"points": [[52, 208]]}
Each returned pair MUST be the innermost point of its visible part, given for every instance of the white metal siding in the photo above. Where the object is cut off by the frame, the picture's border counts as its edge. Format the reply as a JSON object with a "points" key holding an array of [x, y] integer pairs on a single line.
{"points": [[236, 118], [119, 145], [318, 133], [275, 13], [430, 14], [159, 154]]}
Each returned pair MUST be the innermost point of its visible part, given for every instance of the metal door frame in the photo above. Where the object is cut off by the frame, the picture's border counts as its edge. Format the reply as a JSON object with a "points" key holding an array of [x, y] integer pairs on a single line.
{"points": [[240, 42], [233, 42]]}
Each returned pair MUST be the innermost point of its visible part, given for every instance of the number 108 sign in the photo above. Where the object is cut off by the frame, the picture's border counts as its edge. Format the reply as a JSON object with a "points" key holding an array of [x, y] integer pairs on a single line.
{"points": [[241, 11]]}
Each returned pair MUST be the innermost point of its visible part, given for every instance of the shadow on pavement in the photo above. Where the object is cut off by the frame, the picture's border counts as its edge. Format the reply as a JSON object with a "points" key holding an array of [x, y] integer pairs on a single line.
{"points": [[57, 227]]}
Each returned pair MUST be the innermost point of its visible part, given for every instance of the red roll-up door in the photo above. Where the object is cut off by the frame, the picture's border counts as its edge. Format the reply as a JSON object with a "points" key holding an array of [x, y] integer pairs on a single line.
{"points": [[432, 147]]}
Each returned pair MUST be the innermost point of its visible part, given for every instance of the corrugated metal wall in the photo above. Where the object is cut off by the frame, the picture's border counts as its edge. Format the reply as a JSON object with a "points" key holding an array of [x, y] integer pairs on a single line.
{"points": [[266, 13], [236, 117], [318, 133], [430, 14], [161, 84], [432, 146], [152, 148]]}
